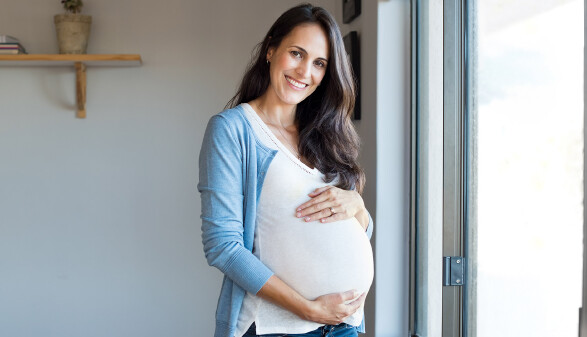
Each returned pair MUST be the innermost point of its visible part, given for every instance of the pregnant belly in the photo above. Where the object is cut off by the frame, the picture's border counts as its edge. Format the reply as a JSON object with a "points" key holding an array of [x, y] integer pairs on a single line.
{"points": [[317, 259]]}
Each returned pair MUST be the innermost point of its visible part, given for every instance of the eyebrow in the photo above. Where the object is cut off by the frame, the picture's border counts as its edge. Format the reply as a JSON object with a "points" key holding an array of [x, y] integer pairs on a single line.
{"points": [[302, 49]]}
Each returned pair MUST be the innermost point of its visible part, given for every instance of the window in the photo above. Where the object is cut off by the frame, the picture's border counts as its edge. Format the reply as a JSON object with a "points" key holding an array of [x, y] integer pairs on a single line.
{"points": [[527, 256], [508, 187]]}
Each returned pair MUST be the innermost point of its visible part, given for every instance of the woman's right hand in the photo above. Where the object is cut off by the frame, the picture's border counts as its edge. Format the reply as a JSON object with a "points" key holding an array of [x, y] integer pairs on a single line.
{"points": [[330, 309], [333, 309]]}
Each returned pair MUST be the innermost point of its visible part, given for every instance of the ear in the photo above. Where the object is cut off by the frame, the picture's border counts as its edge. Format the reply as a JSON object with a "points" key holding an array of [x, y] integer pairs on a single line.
{"points": [[270, 53]]}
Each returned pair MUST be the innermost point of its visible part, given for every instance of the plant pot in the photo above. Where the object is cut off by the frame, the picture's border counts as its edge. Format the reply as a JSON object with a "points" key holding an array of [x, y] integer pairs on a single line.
{"points": [[73, 31]]}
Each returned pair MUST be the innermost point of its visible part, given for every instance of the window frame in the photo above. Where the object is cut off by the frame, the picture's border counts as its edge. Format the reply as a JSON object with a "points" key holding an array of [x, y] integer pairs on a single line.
{"points": [[426, 168], [441, 165]]}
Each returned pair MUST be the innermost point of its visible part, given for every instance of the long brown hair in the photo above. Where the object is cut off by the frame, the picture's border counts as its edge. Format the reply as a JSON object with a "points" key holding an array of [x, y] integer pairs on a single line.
{"points": [[328, 139]]}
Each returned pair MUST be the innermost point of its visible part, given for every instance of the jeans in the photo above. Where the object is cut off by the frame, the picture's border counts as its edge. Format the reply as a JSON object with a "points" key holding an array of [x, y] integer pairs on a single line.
{"points": [[341, 330]]}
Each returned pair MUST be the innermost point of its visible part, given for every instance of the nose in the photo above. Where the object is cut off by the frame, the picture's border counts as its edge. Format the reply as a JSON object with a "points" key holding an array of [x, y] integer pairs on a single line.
{"points": [[305, 69]]}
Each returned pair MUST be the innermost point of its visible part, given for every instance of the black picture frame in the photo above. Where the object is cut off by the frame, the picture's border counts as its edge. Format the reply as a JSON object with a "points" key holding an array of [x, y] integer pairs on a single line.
{"points": [[350, 10], [351, 45]]}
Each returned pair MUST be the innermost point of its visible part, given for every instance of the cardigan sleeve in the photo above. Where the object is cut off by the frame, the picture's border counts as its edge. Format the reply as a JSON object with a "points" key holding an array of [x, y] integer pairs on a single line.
{"points": [[221, 186], [369, 230]]}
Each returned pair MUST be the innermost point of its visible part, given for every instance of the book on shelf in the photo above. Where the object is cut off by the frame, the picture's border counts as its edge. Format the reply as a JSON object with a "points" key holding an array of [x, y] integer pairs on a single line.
{"points": [[8, 39], [11, 48]]}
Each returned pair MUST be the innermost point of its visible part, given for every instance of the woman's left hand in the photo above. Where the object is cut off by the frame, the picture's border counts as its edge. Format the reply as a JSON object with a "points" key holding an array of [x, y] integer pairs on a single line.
{"points": [[330, 203]]}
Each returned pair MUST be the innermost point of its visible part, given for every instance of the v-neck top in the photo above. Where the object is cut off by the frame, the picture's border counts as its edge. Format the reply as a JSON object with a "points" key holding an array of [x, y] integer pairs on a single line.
{"points": [[269, 139], [311, 257]]}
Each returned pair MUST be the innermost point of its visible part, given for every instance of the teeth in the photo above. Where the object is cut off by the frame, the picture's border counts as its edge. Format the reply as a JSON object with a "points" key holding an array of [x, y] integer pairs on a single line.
{"points": [[295, 83]]}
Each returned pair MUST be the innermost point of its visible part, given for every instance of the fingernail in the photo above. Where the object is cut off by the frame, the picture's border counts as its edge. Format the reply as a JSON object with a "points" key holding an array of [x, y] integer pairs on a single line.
{"points": [[322, 220], [299, 215], [307, 219]]}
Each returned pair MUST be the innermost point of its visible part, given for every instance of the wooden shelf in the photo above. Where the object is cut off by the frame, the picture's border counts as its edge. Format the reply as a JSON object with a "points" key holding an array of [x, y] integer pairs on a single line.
{"points": [[79, 62], [111, 60]]}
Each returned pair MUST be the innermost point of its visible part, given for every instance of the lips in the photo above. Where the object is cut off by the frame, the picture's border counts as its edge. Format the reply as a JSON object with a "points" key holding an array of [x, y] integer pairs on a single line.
{"points": [[295, 83]]}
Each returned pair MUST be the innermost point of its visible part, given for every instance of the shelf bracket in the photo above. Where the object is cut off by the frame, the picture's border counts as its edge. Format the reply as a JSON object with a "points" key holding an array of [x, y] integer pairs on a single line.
{"points": [[80, 89]]}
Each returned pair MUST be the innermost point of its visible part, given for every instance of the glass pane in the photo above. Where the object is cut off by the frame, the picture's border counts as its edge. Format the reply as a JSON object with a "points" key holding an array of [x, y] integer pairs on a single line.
{"points": [[529, 122]]}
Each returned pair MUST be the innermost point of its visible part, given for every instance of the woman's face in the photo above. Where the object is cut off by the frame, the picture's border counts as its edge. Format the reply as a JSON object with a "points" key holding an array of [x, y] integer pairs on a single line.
{"points": [[299, 64]]}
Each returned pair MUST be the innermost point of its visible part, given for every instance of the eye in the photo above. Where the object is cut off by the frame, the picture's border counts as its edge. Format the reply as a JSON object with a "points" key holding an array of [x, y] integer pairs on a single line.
{"points": [[320, 63], [296, 53]]}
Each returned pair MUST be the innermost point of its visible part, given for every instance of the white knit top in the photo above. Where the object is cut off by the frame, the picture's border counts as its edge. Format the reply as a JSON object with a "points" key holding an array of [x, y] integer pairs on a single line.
{"points": [[313, 258]]}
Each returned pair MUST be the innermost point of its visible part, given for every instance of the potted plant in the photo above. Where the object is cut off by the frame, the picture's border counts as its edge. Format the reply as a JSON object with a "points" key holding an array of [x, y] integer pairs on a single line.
{"points": [[73, 28]]}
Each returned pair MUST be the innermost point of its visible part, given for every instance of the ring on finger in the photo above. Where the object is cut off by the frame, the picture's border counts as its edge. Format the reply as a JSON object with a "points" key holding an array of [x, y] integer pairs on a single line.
{"points": [[332, 211]]}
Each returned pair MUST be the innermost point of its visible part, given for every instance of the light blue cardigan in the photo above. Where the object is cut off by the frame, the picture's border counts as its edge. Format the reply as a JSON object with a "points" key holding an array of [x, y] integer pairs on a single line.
{"points": [[233, 164]]}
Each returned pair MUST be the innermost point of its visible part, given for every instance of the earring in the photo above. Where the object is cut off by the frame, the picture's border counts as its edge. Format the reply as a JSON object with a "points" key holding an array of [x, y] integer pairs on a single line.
{"points": [[267, 61]]}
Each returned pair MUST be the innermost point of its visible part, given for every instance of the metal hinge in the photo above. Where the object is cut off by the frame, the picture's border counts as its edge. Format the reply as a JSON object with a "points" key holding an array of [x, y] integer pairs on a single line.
{"points": [[453, 271]]}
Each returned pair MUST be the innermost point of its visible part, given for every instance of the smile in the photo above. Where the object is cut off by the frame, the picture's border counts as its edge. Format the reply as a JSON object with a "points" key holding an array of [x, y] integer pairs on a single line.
{"points": [[295, 83]]}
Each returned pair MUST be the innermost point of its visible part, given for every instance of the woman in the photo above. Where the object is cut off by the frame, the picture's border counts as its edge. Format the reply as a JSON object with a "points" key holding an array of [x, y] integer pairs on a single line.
{"points": [[282, 215]]}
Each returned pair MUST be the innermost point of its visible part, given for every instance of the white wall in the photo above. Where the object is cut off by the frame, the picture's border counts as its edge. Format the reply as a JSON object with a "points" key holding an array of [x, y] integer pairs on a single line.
{"points": [[99, 218], [393, 132]]}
